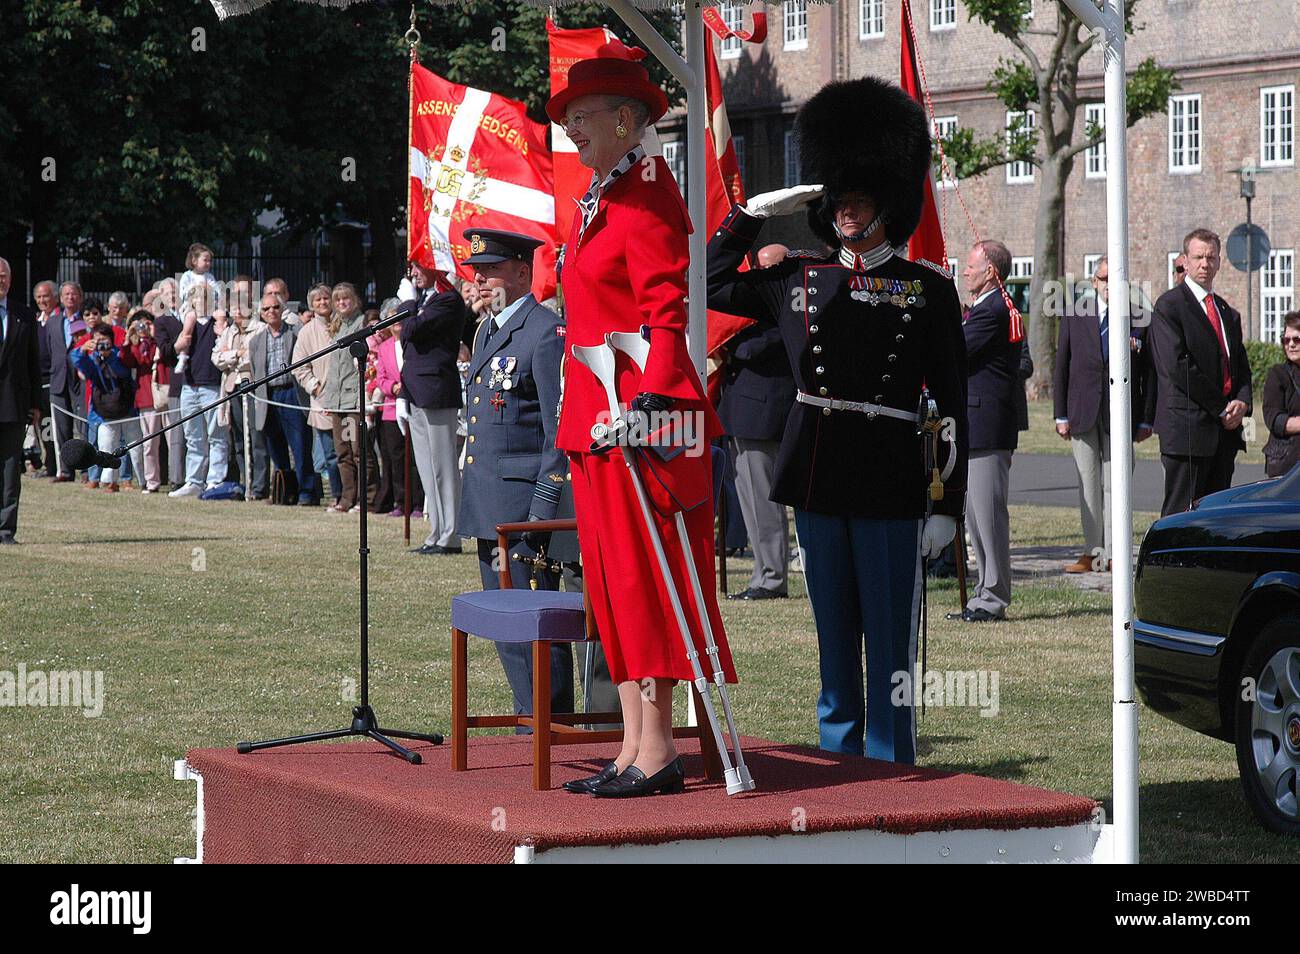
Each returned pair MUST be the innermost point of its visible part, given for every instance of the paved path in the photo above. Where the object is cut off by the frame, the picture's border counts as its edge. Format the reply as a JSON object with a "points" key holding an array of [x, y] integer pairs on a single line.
{"points": [[1051, 480]]}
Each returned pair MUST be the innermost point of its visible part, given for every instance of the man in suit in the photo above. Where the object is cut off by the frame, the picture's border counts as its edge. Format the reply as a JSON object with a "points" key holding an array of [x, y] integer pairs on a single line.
{"points": [[993, 368], [1081, 398], [513, 471], [282, 429], [757, 393], [1203, 380], [67, 396], [431, 388], [20, 405]]}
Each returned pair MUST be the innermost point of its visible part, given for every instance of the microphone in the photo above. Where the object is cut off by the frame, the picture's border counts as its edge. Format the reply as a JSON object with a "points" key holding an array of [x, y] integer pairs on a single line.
{"points": [[77, 454]]}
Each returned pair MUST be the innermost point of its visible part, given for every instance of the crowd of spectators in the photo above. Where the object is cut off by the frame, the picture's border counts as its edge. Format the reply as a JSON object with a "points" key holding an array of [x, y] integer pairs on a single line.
{"points": [[119, 375]]}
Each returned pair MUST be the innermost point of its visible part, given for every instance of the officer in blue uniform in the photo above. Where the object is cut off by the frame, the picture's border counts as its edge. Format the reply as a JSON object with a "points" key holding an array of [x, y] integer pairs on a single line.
{"points": [[513, 471], [872, 339]]}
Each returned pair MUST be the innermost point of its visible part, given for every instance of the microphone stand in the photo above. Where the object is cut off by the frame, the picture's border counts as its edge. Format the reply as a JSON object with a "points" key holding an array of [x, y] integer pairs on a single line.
{"points": [[364, 721]]}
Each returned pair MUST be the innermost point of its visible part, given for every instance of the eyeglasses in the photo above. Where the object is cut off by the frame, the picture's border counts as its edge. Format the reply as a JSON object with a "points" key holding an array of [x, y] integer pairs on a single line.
{"points": [[271, 308], [1291, 340], [578, 120], [1178, 269]]}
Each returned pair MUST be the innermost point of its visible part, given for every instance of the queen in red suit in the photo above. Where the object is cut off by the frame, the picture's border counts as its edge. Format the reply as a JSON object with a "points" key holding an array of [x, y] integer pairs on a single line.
{"points": [[625, 268]]}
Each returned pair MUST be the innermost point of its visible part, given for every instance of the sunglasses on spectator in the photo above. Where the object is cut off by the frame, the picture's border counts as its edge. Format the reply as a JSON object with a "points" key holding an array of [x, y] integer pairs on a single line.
{"points": [[271, 308], [1178, 269], [1291, 340]]}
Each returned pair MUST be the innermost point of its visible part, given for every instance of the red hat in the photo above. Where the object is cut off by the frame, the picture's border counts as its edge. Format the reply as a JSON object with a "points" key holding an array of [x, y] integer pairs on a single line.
{"points": [[608, 76]]}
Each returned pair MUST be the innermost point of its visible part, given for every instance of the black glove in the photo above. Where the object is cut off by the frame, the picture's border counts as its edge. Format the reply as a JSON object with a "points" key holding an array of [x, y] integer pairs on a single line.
{"points": [[536, 540], [649, 401]]}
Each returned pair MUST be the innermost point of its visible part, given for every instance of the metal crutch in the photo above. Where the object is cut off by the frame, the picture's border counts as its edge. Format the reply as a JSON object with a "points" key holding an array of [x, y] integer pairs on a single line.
{"points": [[600, 360]]}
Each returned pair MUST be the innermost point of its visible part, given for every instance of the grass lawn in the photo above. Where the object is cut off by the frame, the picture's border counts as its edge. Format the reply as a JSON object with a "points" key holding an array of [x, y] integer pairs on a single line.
{"points": [[215, 622], [1041, 438]]}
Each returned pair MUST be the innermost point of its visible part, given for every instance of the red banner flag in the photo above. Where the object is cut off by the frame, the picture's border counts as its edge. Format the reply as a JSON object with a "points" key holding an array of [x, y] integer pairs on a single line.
{"points": [[927, 241], [476, 160], [566, 48], [723, 186]]}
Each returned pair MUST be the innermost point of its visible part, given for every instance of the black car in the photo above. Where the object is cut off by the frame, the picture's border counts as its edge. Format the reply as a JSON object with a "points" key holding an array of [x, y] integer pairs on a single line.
{"points": [[1217, 632]]}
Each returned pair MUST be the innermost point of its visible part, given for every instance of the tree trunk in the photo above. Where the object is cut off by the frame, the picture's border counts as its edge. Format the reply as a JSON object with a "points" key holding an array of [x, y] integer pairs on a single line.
{"points": [[1053, 173]]}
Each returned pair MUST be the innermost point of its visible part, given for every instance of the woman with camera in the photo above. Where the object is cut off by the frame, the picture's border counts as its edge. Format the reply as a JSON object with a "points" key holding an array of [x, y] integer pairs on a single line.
{"points": [[112, 395], [140, 354]]}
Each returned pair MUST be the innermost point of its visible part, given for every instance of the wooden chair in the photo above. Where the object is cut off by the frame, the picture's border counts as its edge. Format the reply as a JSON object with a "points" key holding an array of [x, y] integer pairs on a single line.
{"points": [[543, 618]]}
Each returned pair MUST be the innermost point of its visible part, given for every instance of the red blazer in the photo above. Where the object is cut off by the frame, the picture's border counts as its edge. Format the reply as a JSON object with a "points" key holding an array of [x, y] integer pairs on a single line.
{"points": [[629, 270]]}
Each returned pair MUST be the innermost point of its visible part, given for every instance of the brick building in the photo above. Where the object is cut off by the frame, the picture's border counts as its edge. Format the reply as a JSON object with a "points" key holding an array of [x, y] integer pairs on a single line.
{"points": [[1236, 64]]}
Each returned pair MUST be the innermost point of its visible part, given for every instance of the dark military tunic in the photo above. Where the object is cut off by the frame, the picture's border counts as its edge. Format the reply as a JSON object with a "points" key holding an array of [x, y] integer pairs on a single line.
{"points": [[870, 336]]}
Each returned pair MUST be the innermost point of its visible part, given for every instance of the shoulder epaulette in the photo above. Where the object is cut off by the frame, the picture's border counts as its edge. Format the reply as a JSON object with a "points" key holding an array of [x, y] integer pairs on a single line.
{"points": [[934, 267], [804, 253]]}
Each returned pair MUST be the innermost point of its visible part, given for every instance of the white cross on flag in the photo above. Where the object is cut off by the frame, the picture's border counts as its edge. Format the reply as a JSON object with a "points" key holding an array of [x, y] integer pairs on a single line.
{"points": [[477, 160]]}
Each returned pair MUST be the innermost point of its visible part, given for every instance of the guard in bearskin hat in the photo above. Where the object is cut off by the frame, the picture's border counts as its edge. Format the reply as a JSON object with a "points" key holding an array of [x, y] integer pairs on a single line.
{"points": [[874, 454]]}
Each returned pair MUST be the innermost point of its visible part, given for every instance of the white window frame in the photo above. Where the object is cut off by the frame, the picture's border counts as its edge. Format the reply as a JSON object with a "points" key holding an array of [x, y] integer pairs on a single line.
{"points": [[1169, 268], [1281, 151], [674, 152], [1022, 266], [1185, 133], [943, 126], [871, 19], [1020, 173], [1276, 293], [1090, 263], [1094, 162], [733, 16], [952, 266], [943, 15], [791, 155], [794, 25]]}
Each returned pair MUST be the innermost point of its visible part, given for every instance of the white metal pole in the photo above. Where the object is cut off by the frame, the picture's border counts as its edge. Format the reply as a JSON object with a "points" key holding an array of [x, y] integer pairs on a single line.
{"points": [[696, 122], [1109, 21], [1124, 755]]}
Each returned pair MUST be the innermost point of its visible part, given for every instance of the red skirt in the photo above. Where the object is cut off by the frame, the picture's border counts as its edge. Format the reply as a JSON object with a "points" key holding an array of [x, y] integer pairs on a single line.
{"points": [[634, 616]]}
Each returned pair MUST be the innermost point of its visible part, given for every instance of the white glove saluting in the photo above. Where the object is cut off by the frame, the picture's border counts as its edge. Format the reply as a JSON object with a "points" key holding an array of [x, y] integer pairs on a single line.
{"points": [[783, 201], [406, 291], [938, 532]]}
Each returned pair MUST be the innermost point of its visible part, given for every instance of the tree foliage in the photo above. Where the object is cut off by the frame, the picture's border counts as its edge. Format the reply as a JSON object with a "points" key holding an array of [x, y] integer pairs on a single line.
{"points": [[143, 125]]}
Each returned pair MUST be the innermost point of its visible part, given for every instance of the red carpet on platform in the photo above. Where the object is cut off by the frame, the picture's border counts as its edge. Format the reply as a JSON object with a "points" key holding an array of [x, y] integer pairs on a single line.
{"points": [[356, 803]]}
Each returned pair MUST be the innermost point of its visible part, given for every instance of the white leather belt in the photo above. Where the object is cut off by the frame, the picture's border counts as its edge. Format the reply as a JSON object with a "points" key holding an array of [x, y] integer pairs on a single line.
{"points": [[872, 411]]}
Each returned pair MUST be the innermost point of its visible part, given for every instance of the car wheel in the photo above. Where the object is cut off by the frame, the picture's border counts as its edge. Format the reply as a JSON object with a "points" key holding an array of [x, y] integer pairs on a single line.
{"points": [[1268, 725]]}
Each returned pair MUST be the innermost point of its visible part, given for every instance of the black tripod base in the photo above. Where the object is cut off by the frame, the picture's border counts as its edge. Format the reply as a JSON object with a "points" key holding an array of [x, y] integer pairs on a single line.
{"points": [[365, 724]]}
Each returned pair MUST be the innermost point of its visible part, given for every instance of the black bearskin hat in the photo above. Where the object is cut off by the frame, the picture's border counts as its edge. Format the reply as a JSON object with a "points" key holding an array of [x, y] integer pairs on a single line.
{"points": [[865, 135]]}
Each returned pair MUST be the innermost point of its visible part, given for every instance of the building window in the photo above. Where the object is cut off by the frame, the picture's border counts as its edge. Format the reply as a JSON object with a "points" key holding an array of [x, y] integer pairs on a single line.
{"points": [[675, 157], [1020, 172], [796, 24], [1185, 133], [1277, 293], [871, 19], [1022, 267], [791, 159], [944, 127], [738, 143], [1277, 126], [1090, 263], [1094, 167], [943, 14], [733, 16]]}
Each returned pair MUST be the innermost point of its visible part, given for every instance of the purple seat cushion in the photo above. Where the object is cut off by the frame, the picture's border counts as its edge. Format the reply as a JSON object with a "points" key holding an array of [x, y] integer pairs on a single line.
{"points": [[520, 616]]}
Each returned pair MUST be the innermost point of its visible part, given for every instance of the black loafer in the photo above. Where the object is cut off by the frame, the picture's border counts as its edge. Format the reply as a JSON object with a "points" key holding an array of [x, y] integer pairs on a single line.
{"points": [[633, 783], [974, 616], [584, 786]]}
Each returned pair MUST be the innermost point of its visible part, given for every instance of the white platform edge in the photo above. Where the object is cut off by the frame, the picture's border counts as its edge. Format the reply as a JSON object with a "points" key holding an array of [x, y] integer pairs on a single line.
{"points": [[182, 772], [1070, 844]]}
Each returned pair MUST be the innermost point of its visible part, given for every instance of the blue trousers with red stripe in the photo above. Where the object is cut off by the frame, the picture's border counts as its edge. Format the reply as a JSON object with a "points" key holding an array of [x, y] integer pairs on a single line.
{"points": [[864, 580]]}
